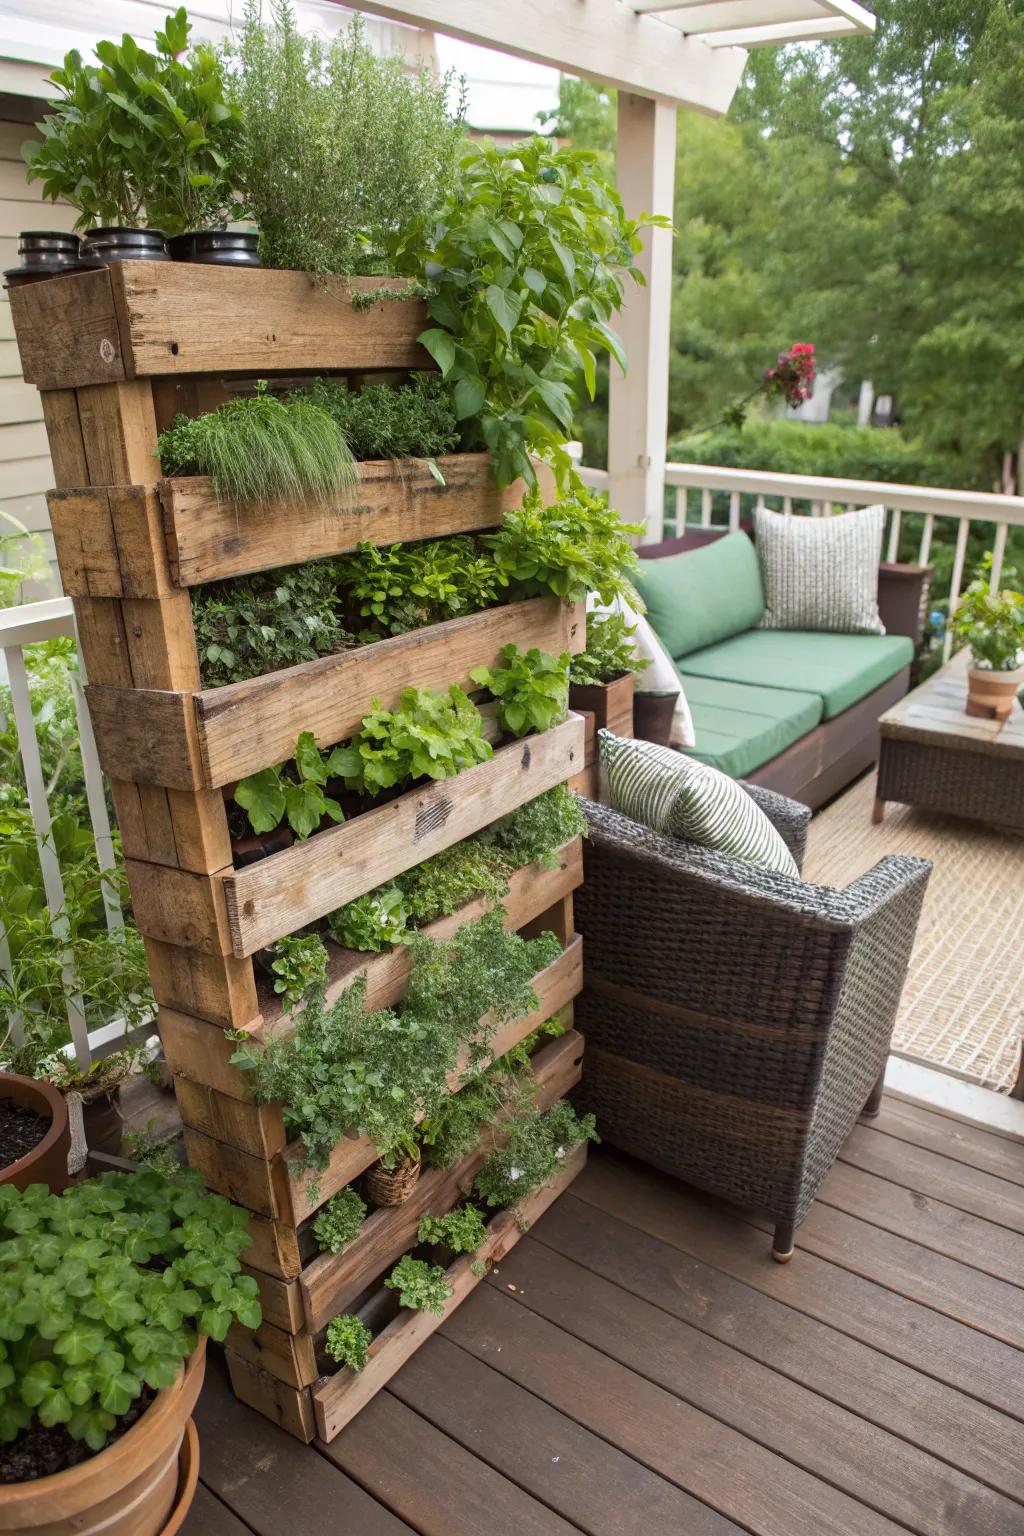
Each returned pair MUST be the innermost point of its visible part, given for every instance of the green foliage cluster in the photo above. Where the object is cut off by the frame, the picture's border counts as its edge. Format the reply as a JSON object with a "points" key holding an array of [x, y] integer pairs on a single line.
{"points": [[104, 1290], [478, 868], [462, 1229], [577, 546], [338, 146], [339, 1221], [532, 1153], [431, 735], [52, 667], [257, 624], [392, 421], [260, 447], [292, 793], [526, 259], [531, 689], [421, 1286], [342, 1068], [405, 586], [348, 1341], [141, 137], [299, 967], [610, 651], [991, 623]]}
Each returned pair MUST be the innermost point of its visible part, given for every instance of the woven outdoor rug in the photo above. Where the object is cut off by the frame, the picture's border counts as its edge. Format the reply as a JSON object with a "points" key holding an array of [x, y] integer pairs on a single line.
{"points": [[963, 1004]]}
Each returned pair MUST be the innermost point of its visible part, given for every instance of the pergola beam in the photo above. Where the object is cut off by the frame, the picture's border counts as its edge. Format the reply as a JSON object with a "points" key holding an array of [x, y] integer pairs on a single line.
{"points": [[777, 36], [765, 21], [603, 40]]}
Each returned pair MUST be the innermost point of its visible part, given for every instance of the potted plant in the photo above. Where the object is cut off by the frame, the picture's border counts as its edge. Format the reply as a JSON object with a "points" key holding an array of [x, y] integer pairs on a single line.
{"points": [[35, 1135], [139, 144], [601, 677], [107, 1295], [991, 624]]}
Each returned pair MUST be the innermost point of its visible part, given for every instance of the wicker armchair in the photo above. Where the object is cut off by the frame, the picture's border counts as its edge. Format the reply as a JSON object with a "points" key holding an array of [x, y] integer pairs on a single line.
{"points": [[737, 1021]]}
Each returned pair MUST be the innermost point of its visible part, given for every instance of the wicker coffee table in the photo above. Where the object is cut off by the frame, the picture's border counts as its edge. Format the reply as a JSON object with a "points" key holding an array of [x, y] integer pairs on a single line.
{"points": [[935, 756]]}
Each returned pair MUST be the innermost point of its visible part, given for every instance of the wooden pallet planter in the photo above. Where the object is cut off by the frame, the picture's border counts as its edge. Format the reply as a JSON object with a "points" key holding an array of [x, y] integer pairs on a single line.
{"points": [[116, 353], [219, 735], [290, 1340]]}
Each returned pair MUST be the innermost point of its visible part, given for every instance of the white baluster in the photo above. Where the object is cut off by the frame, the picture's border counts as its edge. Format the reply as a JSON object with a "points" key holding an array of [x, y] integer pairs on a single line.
{"points": [[734, 511], [894, 536], [680, 510], [998, 556], [13, 1023], [787, 505], [97, 803], [959, 556], [926, 538], [705, 508]]}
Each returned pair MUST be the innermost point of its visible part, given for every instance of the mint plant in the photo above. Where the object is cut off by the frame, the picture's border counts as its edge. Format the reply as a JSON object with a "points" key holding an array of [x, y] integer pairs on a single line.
{"points": [[431, 735], [609, 654], [371, 922], [348, 1341], [294, 793], [403, 587], [105, 1289], [462, 1229], [299, 966], [421, 1286], [531, 689], [339, 1221]]}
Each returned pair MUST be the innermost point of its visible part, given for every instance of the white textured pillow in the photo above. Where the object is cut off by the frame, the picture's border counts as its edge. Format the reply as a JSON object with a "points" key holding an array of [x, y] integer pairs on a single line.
{"points": [[821, 573], [670, 792]]}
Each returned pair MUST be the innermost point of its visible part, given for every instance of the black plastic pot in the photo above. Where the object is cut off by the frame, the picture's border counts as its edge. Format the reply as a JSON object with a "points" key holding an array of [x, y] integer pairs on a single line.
{"points": [[116, 243], [217, 248], [47, 253]]}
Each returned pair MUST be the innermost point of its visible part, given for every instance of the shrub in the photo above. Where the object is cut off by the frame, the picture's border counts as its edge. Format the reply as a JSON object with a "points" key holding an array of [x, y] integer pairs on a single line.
{"points": [[462, 1230], [573, 548], [257, 624], [392, 421], [338, 146], [339, 1221], [104, 1291], [348, 1341], [610, 652], [422, 1287], [531, 689], [260, 447]]}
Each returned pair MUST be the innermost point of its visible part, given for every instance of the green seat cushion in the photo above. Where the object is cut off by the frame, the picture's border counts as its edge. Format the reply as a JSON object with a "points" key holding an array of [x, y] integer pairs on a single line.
{"points": [[704, 595], [739, 728], [840, 669]]}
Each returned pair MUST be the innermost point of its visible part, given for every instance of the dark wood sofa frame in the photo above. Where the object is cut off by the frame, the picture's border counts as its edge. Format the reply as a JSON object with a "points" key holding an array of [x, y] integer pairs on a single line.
{"points": [[837, 751]]}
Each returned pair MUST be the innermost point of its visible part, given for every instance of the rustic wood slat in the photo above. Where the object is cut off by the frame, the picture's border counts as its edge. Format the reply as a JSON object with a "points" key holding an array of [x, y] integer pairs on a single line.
{"points": [[119, 431], [850, 1301], [836, 1408], [216, 988], [289, 1407], [333, 1281], [295, 887], [287, 1356], [211, 539], [744, 1481], [919, 1169], [546, 1452], [417, 1469], [67, 331], [338, 1398]]}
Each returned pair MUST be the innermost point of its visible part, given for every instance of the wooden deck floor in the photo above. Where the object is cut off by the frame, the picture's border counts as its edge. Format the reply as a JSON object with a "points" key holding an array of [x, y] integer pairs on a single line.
{"points": [[639, 1367]]}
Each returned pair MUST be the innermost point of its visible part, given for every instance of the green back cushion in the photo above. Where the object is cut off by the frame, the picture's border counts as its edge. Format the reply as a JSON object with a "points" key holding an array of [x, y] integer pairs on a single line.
{"points": [[674, 794], [703, 595]]}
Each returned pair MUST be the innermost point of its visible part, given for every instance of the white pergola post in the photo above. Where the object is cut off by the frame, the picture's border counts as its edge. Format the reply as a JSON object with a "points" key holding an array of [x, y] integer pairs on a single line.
{"points": [[638, 400]]}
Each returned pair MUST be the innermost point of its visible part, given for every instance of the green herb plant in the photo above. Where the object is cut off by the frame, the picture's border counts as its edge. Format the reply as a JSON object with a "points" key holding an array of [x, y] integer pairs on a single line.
{"points": [[431, 735], [532, 1154], [392, 421], [531, 689], [338, 147], [572, 548], [396, 589], [421, 1286], [372, 922], [535, 832], [527, 259], [609, 653], [348, 1341], [293, 793], [299, 967], [339, 1221], [257, 624], [141, 138], [462, 1229], [262, 447], [991, 623], [104, 1291]]}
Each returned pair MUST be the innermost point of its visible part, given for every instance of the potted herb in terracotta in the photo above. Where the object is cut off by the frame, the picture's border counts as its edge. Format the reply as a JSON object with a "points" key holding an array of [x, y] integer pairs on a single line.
{"points": [[139, 144], [35, 1135], [602, 676], [991, 624], [107, 1295]]}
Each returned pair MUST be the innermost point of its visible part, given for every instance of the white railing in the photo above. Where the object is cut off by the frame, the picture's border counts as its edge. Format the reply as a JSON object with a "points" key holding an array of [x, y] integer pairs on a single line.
{"points": [[19, 627], [823, 495]]}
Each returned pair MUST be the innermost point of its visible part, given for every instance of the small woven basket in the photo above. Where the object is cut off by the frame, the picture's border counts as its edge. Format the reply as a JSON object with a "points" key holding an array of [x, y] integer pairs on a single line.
{"points": [[393, 1186]]}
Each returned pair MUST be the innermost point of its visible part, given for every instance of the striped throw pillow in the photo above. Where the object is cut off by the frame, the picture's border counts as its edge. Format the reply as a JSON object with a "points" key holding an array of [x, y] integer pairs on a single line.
{"points": [[672, 793], [821, 573]]}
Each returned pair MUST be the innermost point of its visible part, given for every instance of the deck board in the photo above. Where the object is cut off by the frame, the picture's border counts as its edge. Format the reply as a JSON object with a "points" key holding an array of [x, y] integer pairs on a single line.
{"points": [[639, 1367]]}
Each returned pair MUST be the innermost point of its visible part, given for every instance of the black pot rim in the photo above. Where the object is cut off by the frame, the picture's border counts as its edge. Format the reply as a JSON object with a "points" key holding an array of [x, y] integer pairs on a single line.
{"points": [[48, 234], [122, 229]]}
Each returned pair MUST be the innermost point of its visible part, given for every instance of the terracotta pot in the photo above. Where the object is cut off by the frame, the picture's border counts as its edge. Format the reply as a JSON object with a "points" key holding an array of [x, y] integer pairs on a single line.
{"points": [[188, 1480], [133, 1487], [652, 716], [393, 1186], [47, 1163], [992, 695]]}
